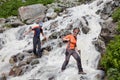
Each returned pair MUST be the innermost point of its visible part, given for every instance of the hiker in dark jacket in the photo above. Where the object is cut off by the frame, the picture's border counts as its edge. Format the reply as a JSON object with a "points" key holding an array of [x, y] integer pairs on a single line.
{"points": [[36, 39]]}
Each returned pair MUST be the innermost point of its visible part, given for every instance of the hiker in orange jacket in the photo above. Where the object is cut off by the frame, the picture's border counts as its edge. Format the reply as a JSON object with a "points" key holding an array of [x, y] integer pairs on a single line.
{"points": [[71, 50]]}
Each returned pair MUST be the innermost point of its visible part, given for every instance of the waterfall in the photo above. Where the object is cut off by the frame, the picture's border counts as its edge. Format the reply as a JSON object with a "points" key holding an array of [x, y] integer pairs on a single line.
{"points": [[50, 65]]}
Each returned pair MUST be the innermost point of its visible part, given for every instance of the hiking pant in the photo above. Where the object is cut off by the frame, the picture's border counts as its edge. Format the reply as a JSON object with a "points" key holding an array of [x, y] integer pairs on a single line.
{"points": [[75, 55], [36, 42]]}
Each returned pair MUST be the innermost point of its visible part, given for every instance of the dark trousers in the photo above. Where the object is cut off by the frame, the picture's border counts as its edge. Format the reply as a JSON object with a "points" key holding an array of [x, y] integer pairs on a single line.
{"points": [[36, 42], [67, 57]]}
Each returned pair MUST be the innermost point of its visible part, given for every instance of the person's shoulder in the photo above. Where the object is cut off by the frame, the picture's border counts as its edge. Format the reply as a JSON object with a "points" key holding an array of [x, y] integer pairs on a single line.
{"points": [[67, 36], [36, 26]]}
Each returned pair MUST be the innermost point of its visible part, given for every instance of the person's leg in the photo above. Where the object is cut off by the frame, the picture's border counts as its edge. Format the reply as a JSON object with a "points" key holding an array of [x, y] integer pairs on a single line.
{"points": [[77, 58], [39, 48], [34, 45], [67, 57]]}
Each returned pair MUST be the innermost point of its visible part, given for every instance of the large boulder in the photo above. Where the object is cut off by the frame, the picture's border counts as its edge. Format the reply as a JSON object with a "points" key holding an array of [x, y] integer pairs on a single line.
{"points": [[2, 20], [31, 12], [13, 21], [108, 30]]}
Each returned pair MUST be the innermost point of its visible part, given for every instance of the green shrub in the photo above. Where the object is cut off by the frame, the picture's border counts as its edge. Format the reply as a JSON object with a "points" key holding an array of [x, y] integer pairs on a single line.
{"points": [[116, 15], [113, 74], [118, 27], [111, 59]]}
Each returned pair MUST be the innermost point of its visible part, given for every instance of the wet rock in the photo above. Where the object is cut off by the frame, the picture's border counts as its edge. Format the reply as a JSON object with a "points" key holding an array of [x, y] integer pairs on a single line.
{"points": [[100, 75], [60, 43], [28, 51], [45, 52], [64, 32], [108, 8], [19, 34], [48, 48], [18, 72], [98, 12], [2, 42], [35, 19], [13, 21], [85, 30], [69, 26], [21, 57], [2, 20], [13, 59], [86, 22], [117, 3], [3, 76], [2, 29], [99, 45], [28, 61], [15, 71], [99, 3], [34, 62], [52, 78], [54, 35], [108, 30], [52, 15], [104, 16], [22, 63], [53, 25]]}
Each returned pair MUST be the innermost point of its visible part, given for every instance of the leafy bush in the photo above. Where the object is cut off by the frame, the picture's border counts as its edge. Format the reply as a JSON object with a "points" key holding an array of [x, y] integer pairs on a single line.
{"points": [[113, 74], [116, 15], [111, 59], [118, 27], [10, 7]]}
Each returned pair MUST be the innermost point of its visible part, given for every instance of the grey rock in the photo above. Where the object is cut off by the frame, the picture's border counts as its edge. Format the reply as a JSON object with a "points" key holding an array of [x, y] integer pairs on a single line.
{"points": [[2, 20], [85, 30], [31, 11], [35, 62], [100, 46]]}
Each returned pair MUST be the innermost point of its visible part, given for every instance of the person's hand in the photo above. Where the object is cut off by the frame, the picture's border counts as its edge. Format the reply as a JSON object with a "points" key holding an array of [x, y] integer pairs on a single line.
{"points": [[45, 38], [79, 51]]}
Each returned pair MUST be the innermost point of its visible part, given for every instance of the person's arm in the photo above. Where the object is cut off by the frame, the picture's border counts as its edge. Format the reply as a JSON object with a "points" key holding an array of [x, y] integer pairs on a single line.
{"points": [[66, 38], [77, 50], [27, 32], [43, 34]]}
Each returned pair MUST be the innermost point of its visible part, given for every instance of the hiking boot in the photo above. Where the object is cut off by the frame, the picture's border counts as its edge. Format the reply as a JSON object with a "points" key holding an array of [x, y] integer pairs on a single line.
{"points": [[81, 72]]}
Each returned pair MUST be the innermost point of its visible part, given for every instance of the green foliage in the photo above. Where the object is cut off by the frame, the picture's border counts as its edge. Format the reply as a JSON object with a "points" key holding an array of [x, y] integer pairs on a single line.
{"points": [[113, 74], [118, 27], [116, 15], [10, 7], [111, 59], [45, 2]]}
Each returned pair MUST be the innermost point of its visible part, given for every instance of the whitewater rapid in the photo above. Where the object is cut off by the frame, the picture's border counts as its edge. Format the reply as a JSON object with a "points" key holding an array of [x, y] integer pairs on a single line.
{"points": [[50, 65]]}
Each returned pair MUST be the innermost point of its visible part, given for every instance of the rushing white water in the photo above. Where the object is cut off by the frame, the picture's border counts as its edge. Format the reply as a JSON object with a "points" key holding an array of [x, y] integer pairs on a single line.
{"points": [[50, 65]]}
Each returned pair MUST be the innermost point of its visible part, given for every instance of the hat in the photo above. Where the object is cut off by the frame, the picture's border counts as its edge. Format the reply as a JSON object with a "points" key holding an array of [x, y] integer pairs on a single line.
{"points": [[40, 24]]}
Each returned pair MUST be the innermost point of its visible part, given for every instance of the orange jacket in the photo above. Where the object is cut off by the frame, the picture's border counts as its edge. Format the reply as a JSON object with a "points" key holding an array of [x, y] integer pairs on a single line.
{"points": [[72, 42]]}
